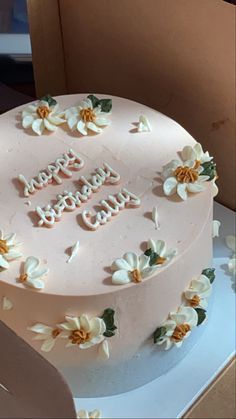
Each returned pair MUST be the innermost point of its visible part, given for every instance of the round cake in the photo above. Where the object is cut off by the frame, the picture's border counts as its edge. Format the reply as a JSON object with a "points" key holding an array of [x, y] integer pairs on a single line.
{"points": [[106, 242]]}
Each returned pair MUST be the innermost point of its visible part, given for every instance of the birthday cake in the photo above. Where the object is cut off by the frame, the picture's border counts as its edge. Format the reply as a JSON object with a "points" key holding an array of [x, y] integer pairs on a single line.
{"points": [[106, 238]]}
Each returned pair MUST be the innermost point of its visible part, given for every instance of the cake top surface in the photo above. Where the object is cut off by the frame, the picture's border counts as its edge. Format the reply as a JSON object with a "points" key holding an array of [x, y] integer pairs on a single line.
{"points": [[137, 157]]}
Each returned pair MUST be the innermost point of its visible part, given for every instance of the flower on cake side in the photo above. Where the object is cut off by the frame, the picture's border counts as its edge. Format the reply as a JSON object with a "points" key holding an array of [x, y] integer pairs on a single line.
{"points": [[32, 273], [190, 174], [82, 332], [8, 249], [179, 324], [85, 414], [158, 254], [231, 244], [46, 333], [89, 115], [44, 114]]}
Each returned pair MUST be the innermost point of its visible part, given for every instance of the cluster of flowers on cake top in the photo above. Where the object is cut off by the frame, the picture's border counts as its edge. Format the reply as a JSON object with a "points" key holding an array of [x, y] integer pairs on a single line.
{"points": [[134, 268], [32, 272], [192, 313], [82, 332], [88, 115], [189, 174]]}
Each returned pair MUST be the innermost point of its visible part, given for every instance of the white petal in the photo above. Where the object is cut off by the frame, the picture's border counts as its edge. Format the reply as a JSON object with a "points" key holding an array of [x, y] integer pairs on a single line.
{"points": [[6, 304], [214, 188], [73, 322], [97, 326], [143, 262], [12, 254], [121, 277], [10, 238], [93, 127], [27, 121], [188, 153], [120, 264], [95, 414], [31, 264], [181, 191], [81, 127], [84, 323], [144, 125], [3, 263], [169, 186], [195, 187], [41, 328], [71, 112], [103, 350], [155, 218], [74, 251], [160, 247], [100, 122], [231, 242], [49, 126], [151, 244], [38, 126], [66, 326], [215, 228], [35, 283], [132, 260], [82, 414], [72, 122], [203, 178], [232, 266], [55, 120], [38, 273], [48, 344]]}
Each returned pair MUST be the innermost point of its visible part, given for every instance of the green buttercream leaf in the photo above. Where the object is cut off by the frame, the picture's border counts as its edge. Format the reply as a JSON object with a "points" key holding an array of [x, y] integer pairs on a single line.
{"points": [[209, 169], [49, 99], [201, 315], [210, 273], [106, 104], [159, 333], [108, 318]]}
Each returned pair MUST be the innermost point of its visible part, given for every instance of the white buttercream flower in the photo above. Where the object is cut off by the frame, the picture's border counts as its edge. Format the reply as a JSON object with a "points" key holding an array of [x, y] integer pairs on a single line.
{"points": [[46, 333], [130, 268], [182, 177], [144, 124], [83, 331], [84, 117], [198, 292], [84, 414], [40, 116], [232, 266], [8, 249], [178, 327], [163, 255], [195, 153], [215, 228], [7, 304], [32, 273]]}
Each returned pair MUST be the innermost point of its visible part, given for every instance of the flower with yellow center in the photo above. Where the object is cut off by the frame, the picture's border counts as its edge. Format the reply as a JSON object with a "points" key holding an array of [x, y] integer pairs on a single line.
{"points": [[130, 268], [8, 249], [164, 255], [32, 273], [46, 333], [84, 118], [198, 292], [83, 331], [183, 177], [178, 327], [40, 116]]}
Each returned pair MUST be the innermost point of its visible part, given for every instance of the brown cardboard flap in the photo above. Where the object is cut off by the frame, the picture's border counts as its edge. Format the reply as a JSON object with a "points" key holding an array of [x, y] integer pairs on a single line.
{"points": [[33, 387]]}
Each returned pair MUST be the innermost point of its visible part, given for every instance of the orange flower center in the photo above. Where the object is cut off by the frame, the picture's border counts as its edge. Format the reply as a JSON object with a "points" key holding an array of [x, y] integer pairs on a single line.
{"points": [[87, 115], [180, 331], [194, 302], [79, 336], [160, 260], [23, 277], [43, 111], [185, 174], [55, 333], [136, 276], [3, 247]]}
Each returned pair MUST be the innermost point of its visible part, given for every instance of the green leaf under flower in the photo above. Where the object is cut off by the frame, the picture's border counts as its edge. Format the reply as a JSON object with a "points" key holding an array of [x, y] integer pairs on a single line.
{"points": [[108, 318], [201, 315], [210, 273], [153, 256], [106, 104], [48, 98], [209, 169], [159, 333]]}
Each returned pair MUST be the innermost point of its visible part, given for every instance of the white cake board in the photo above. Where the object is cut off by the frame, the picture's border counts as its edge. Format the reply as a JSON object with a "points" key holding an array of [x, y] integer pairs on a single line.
{"points": [[171, 395]]}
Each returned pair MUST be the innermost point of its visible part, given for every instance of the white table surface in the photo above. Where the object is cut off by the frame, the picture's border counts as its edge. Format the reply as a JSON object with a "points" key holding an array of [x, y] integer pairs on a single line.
{"points": [[172, 394]]}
